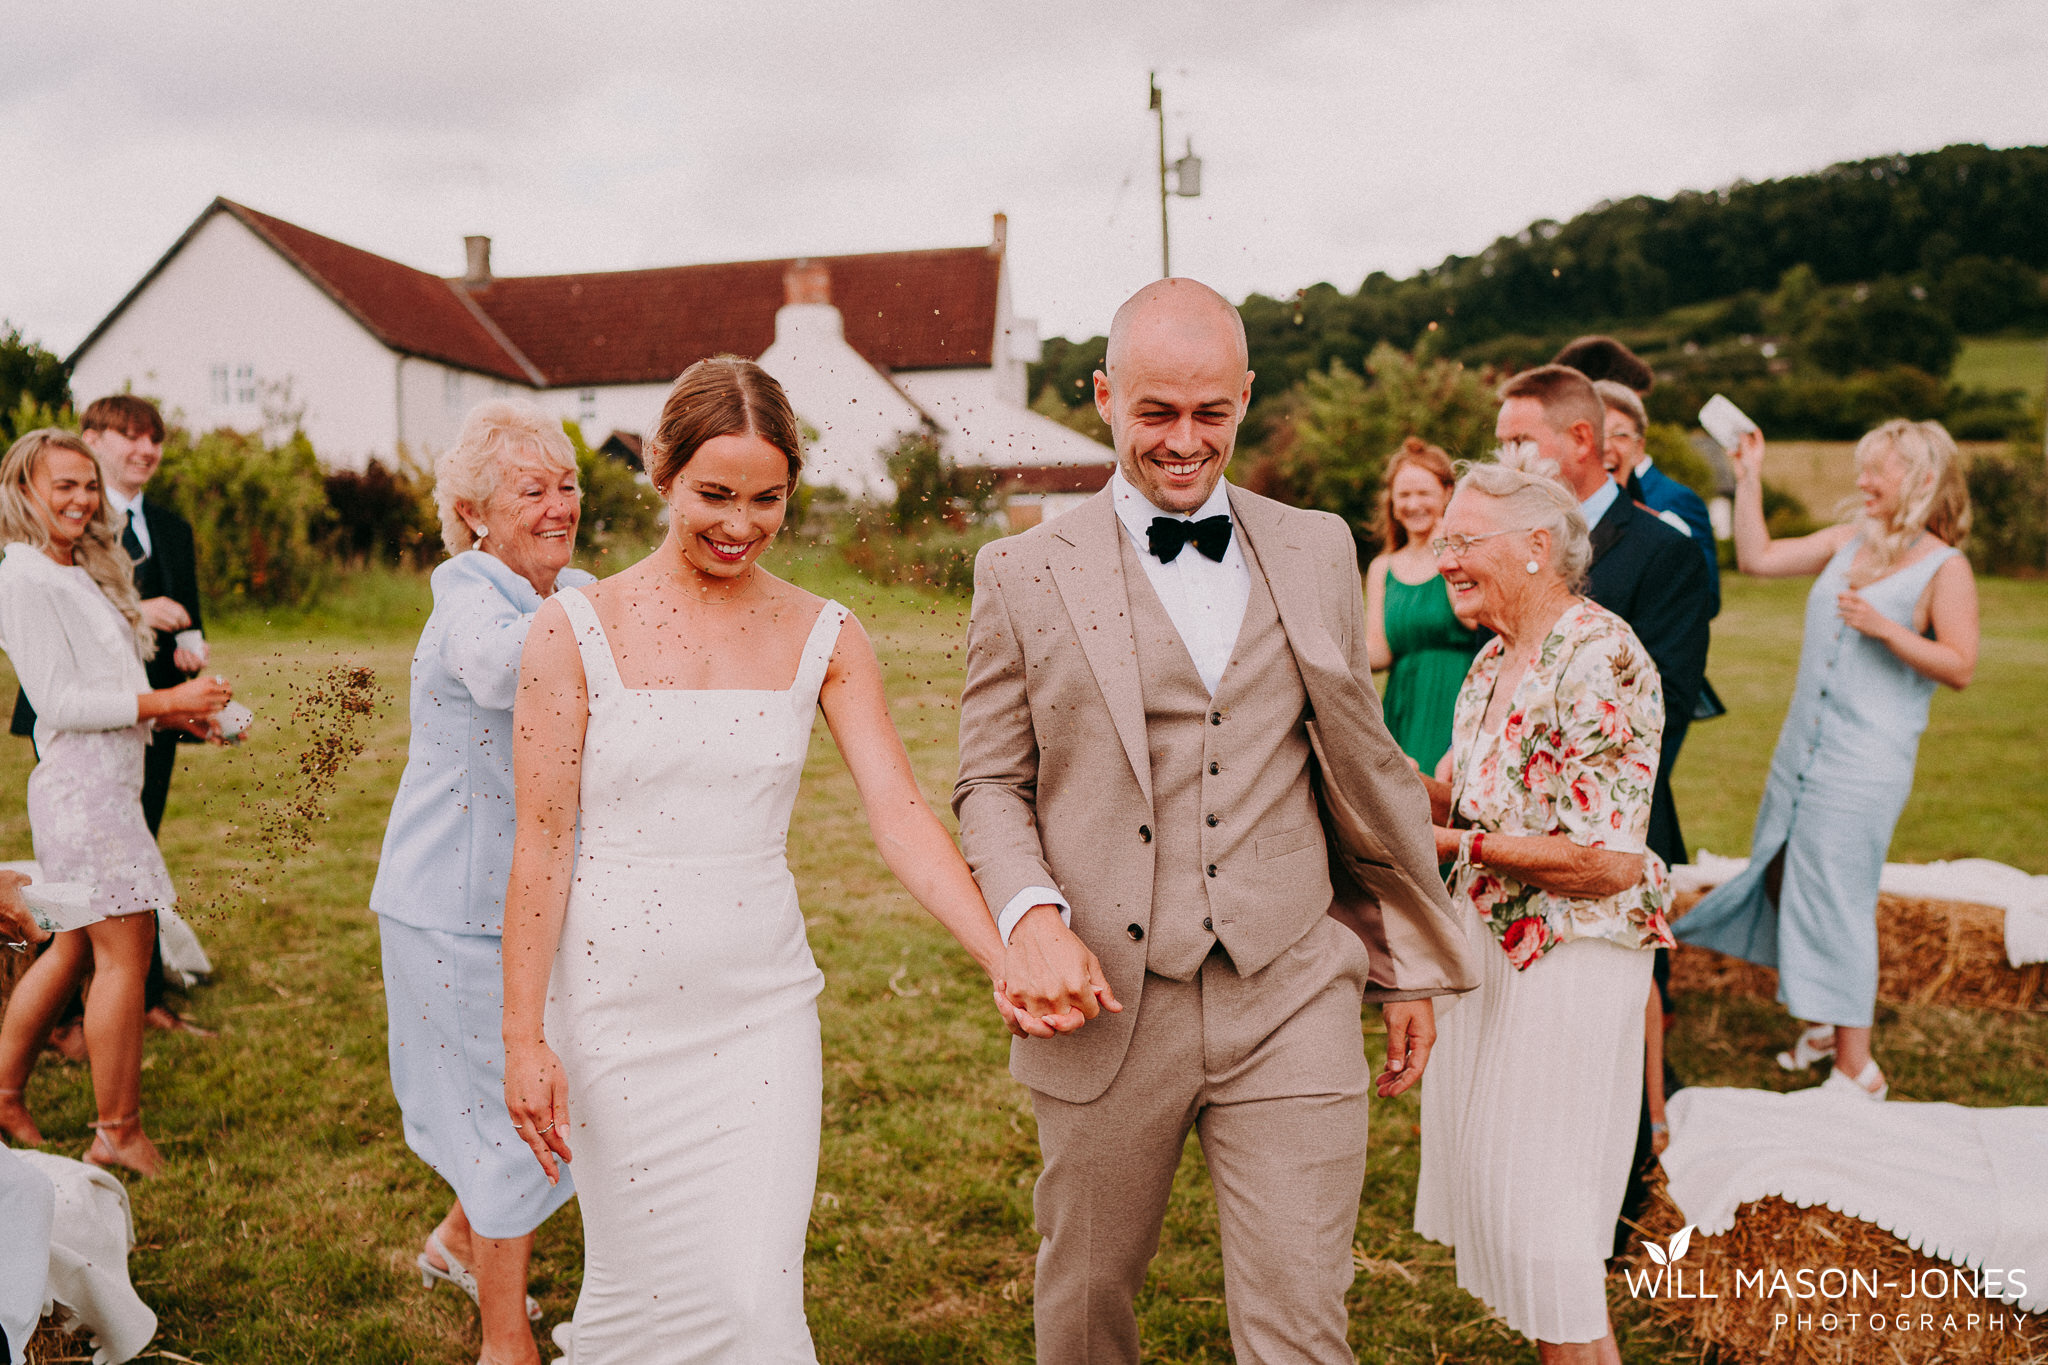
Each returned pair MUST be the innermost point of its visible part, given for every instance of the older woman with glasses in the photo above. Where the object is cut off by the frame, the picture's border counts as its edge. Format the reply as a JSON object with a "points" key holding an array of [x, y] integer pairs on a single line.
{"points": [[509, 505], [1529, 1109]]}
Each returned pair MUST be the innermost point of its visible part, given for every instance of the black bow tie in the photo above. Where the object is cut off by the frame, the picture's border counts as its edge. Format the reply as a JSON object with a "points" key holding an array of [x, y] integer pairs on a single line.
{"points": [[1168, 536]]}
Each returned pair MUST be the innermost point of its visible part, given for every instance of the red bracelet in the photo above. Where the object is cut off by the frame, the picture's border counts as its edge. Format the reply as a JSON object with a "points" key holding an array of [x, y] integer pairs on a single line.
{"points": [[1478, 841]]}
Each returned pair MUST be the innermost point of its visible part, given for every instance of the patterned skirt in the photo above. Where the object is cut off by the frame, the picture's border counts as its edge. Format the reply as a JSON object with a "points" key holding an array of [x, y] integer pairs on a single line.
{"points": [[85, 815]]}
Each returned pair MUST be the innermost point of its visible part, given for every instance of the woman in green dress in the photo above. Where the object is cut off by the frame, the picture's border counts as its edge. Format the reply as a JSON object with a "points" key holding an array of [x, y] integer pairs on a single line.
{"points": [[1410, 628]]}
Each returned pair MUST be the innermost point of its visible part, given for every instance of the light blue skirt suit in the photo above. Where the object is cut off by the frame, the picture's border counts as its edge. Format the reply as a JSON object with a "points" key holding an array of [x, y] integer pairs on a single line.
{"points": [[1839, 778], [440, 897]]}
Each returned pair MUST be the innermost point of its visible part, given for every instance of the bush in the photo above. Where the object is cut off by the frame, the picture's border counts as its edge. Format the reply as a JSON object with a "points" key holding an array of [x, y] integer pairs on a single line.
{"points": [[943, 559], [259, 514], [2009, 511], [384, 515], [1785, 515], [1666, 445], [1345, 425], [621, 514], [933, 492]]}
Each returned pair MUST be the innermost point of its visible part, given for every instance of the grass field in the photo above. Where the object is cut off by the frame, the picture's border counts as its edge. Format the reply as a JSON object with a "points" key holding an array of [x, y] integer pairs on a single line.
{"points": [[286, 1226], [1996, 363]]}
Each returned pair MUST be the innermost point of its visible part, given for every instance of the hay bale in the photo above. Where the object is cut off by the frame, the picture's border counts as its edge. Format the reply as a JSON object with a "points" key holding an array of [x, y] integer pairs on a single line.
{"points": [[1929, 953], [52, 1347], [1770, 1235]]}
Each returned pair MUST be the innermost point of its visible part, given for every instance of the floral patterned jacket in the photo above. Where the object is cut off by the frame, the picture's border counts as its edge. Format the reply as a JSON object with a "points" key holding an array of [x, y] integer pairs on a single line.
{"points": [[1577, 756]]}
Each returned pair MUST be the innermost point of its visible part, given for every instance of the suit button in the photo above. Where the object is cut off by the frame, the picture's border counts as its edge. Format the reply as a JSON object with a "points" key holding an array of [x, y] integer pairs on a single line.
{"points": [[1145, 834], [1136, 931], [1213, 770], [1212, 869], [1207, 925], [1215, 717], [1212, 822]]}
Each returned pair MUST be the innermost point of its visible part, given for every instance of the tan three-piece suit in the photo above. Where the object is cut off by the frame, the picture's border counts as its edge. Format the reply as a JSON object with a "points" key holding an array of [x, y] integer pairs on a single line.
{"points": [[1188, 834]]}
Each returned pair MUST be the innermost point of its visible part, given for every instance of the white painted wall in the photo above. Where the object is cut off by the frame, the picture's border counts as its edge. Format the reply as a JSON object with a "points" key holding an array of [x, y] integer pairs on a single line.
{"points": [[228, 300], [984, 426], [858, 414], [608, 408]]}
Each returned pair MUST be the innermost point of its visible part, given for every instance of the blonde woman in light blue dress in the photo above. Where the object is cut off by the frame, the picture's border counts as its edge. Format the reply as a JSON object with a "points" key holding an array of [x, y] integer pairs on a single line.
{"points": [[1892, 614]]}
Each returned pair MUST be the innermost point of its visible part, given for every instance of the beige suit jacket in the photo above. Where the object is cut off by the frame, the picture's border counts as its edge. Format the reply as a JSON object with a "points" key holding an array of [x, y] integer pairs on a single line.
{"points": [[1056, 780]]}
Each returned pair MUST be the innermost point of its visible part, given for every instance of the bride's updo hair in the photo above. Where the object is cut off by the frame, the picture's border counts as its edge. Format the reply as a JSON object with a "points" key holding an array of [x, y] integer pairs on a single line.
{"points": [[722, 396]]}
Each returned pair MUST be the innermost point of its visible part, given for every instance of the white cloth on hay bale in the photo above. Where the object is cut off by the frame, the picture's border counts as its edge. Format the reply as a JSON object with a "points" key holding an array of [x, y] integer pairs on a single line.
{"points": [[185, 961], [1967, 1186], [87, 1258], [1976, 881]]}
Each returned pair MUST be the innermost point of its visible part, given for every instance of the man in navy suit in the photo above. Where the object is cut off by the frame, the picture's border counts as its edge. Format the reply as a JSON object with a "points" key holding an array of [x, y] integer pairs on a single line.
{"points": [[1644, 571], [1631, 466]]}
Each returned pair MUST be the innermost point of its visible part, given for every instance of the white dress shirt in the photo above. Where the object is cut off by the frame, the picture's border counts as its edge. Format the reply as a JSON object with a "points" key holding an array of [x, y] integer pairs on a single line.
{"points": [[1204, 598], [130, 510], [1595, 507]]}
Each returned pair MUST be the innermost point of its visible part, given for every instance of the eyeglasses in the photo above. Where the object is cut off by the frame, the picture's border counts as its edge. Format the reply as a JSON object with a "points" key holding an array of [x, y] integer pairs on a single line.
{"points": [[1463, 544]]}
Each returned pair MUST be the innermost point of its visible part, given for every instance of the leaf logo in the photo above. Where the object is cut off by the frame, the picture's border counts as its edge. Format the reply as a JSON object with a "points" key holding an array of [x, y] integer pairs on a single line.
{"points": [[1680, 1240]]}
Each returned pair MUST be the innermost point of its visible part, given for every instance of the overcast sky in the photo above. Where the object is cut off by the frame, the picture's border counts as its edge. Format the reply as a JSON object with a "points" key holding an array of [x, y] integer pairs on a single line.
{"points": [[1337, 138]]}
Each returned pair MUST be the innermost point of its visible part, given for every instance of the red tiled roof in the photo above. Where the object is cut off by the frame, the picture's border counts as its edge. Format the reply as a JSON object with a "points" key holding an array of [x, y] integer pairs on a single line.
{"points": [[904, 310], [408, 310]]}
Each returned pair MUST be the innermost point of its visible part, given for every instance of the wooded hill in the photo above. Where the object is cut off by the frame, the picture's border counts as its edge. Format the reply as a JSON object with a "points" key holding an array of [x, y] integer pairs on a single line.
{"points": [[1822, 303]]}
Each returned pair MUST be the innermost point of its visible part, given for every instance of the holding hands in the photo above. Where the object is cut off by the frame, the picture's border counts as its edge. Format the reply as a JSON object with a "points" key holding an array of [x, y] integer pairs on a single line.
{"points": [[1051, 983]]}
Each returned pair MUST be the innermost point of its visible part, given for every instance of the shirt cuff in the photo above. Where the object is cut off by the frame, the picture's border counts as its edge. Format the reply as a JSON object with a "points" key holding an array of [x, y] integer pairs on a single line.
{"points": [[1024, 900], [189, 639]]}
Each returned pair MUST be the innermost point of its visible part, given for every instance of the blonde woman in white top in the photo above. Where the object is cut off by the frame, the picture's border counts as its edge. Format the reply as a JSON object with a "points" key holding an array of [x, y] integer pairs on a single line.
{"points": [[73, 629]]}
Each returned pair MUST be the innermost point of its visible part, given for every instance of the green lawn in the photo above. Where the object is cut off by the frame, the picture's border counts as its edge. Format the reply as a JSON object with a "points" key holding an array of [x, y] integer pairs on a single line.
{"points": [[286, 1226], [2003, 363]]}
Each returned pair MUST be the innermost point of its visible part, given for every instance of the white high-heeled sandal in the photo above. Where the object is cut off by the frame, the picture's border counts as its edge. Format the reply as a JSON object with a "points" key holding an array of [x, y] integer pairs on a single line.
{"points": [[1871, 1085], [458, 1274], [1817, 1044]]}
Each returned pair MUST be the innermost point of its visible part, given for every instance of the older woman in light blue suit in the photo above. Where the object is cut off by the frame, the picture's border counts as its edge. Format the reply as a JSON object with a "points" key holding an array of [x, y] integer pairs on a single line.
{"points": [[509, 505]]}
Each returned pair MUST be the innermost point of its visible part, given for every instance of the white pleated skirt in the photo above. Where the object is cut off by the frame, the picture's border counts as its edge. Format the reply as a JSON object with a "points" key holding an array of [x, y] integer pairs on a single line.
{"points": [[1529, 1112]]}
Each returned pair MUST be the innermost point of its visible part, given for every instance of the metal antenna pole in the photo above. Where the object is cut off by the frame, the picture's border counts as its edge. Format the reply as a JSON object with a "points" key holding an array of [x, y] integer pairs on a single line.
{"points": [[1159, 108]]}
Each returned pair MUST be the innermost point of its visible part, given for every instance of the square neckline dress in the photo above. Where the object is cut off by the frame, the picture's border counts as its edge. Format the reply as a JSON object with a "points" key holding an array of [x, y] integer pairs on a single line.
{"points": [[1839, 780], [683, 1005]]}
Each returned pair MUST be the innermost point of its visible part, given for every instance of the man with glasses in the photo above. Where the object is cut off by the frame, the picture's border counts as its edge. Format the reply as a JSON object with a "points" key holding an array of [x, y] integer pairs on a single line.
{"points": [[1630, 464]]}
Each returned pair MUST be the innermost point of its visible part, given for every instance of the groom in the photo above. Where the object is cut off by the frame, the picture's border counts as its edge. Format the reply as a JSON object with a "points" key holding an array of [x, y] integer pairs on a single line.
{"points": [[1135, 762]]}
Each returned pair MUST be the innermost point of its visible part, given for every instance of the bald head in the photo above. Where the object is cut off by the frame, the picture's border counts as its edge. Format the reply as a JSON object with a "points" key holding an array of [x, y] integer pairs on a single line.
{"points": [[1178, 313], [1174, 387]]}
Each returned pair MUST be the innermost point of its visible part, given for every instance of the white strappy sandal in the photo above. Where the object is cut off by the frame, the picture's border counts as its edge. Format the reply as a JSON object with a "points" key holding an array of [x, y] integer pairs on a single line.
{"points": [[1817, 1044], [458, 1274], [1871, 1085]]}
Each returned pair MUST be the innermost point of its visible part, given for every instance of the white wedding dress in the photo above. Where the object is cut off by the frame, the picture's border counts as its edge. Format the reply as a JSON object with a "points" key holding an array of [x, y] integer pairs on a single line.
{"points": [[683, 1005]]}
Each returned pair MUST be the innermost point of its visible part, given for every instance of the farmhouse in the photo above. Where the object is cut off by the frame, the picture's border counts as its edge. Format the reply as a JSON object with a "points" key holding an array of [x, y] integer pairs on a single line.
{"points": [[248, 317]]}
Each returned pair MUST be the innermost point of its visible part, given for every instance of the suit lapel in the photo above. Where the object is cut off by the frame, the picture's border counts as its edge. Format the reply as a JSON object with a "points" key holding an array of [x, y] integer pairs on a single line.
{"points": [[1086, 568], [1290, 573], [1612, 526]]}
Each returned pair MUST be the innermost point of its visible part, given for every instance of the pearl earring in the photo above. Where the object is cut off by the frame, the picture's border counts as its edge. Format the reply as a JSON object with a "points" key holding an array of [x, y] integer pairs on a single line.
{"points": [[1533, 567], [481, 531]]}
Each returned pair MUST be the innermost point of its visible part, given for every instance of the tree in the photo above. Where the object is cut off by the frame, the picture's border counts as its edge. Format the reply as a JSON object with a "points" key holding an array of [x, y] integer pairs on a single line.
{"points": [[1348, 424], [1889, 324], [31, 379]]}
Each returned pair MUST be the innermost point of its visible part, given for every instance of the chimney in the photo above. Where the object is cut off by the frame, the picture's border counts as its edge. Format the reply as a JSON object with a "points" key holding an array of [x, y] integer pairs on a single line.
{"points": [[478, 268], [1002, 236], [807, 281]]}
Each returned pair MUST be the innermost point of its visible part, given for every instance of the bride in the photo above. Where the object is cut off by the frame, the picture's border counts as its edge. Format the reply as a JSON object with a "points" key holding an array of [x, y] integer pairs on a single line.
{"points": [[660, 1017]]}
